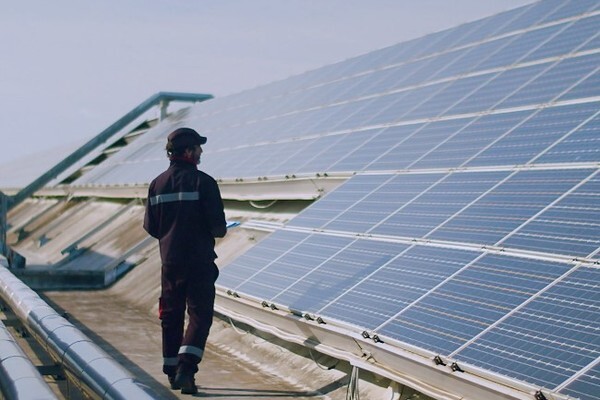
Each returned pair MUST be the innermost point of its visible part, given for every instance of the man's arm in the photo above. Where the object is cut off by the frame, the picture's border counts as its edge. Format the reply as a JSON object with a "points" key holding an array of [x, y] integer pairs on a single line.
{"points": [[214, 209], [149, 216]]}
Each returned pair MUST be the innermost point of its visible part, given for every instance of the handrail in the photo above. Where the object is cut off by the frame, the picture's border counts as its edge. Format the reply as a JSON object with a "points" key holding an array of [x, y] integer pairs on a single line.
{"points": [[69, 347], [15, 260], [157, 99]]}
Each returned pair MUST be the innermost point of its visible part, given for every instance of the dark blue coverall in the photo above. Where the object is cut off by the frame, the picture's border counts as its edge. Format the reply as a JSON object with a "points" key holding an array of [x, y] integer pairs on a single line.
{"points": [[185, 213]]}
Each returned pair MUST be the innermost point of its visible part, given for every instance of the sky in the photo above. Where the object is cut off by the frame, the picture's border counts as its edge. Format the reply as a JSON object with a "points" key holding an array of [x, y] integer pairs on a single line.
{"points": [[70, 68]]}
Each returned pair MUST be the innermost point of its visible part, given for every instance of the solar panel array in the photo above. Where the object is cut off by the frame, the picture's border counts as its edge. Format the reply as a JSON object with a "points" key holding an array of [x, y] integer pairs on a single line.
{"points": [[471, 228], [441, 101]]}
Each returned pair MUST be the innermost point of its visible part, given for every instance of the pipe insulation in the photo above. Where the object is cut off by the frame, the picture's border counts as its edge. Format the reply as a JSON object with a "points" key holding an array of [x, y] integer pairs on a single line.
{"points": [[19, 378], [69, 347]]}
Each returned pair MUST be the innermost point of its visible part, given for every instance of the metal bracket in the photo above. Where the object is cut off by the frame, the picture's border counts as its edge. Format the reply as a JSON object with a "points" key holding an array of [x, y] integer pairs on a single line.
{"points": [[55, 371]]}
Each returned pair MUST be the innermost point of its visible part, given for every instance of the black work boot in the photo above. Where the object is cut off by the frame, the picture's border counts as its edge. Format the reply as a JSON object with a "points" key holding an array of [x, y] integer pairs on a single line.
{"points": [[174, 386], [185, 381]]}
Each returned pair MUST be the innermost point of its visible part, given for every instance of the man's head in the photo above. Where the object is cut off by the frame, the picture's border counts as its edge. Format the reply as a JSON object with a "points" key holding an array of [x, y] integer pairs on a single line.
{"points": [[185, 142]]}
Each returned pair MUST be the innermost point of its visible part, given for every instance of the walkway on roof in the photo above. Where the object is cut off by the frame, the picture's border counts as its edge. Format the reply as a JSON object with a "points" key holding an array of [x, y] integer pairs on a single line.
{"points": [[132, 337]]}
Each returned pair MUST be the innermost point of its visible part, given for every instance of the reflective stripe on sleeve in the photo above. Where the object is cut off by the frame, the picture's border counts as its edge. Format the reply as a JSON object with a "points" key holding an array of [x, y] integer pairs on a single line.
{"points": [[171, 197]]}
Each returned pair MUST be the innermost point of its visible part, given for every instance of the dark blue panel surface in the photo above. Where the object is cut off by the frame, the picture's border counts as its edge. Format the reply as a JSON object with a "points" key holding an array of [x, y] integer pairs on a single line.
{"points": [[493, 24], [395, 285], [508, 205], [377, 143], [587, 386], [387, 108], [523, 143], [588, 87], [381, 202], [471, 58], [446, 98], [419, 143], [338, 201], [467, 142], [582, 145], [570, 227], [291, 265], [332, 278], [554, 81], [519, 47], [258, 257], [533, 15], [426, 211], [571, 8], [568, 40], [497, 89], [548, 340], [473, 299]]}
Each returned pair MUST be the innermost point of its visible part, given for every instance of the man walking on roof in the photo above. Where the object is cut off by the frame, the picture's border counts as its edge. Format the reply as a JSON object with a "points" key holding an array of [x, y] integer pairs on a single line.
{"points": [[185, 213]]}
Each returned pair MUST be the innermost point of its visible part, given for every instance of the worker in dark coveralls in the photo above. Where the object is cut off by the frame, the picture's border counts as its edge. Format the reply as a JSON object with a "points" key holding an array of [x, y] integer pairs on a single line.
{"points": [[185, 213]]}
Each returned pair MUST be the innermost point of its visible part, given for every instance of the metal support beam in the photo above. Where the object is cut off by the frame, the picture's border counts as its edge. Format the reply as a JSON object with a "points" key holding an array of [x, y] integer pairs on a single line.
{"points": [[15, 260], [161, 99], [102, 137]]}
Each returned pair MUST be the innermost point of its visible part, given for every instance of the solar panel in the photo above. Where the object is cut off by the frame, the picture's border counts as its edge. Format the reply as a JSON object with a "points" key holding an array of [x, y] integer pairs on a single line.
{"points": [[476, 293], [548, 339], [491, 264]]}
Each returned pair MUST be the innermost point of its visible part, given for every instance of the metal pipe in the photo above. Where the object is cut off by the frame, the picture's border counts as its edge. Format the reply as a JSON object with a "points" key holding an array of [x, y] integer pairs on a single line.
{"points": [[19, 378], [69, 347]]}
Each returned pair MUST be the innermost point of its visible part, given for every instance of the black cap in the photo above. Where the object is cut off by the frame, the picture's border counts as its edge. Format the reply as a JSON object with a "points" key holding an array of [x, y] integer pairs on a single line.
{"points": [[184, 137]]}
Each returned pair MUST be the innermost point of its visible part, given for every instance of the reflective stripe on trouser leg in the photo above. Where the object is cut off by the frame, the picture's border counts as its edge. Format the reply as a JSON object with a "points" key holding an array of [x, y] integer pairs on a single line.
{"points": [[197, 351]]}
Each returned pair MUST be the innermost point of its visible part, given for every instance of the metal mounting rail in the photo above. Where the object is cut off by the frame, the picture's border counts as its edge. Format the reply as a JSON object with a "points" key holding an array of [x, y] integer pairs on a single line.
{"points": [[161, 99], [70, 348]]}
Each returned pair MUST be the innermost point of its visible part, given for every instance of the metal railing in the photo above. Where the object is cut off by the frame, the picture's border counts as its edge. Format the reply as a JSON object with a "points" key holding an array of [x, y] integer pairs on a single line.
{"points": [[161, 99]]}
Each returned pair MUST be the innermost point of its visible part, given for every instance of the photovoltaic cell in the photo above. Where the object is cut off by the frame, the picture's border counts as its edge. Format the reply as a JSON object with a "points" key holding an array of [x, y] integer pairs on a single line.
{"points": [[336, 275], [375, 206], [554, 81], [425, 211], [339, 200], [465, 143], [508, 205], [568, 40], [572, 8], [421, 141], [375, 142], [540, 131], [587, 386], [549, 339], [292, 265], [258, 257], [519, 47], [476, 297], [497, 89], [570, 227], [447, 97], [533, 15], [580, 145]]}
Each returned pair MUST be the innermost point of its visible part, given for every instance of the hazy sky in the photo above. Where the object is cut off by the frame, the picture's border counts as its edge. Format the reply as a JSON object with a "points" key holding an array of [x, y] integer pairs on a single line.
{"points": [[70, 68]]}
